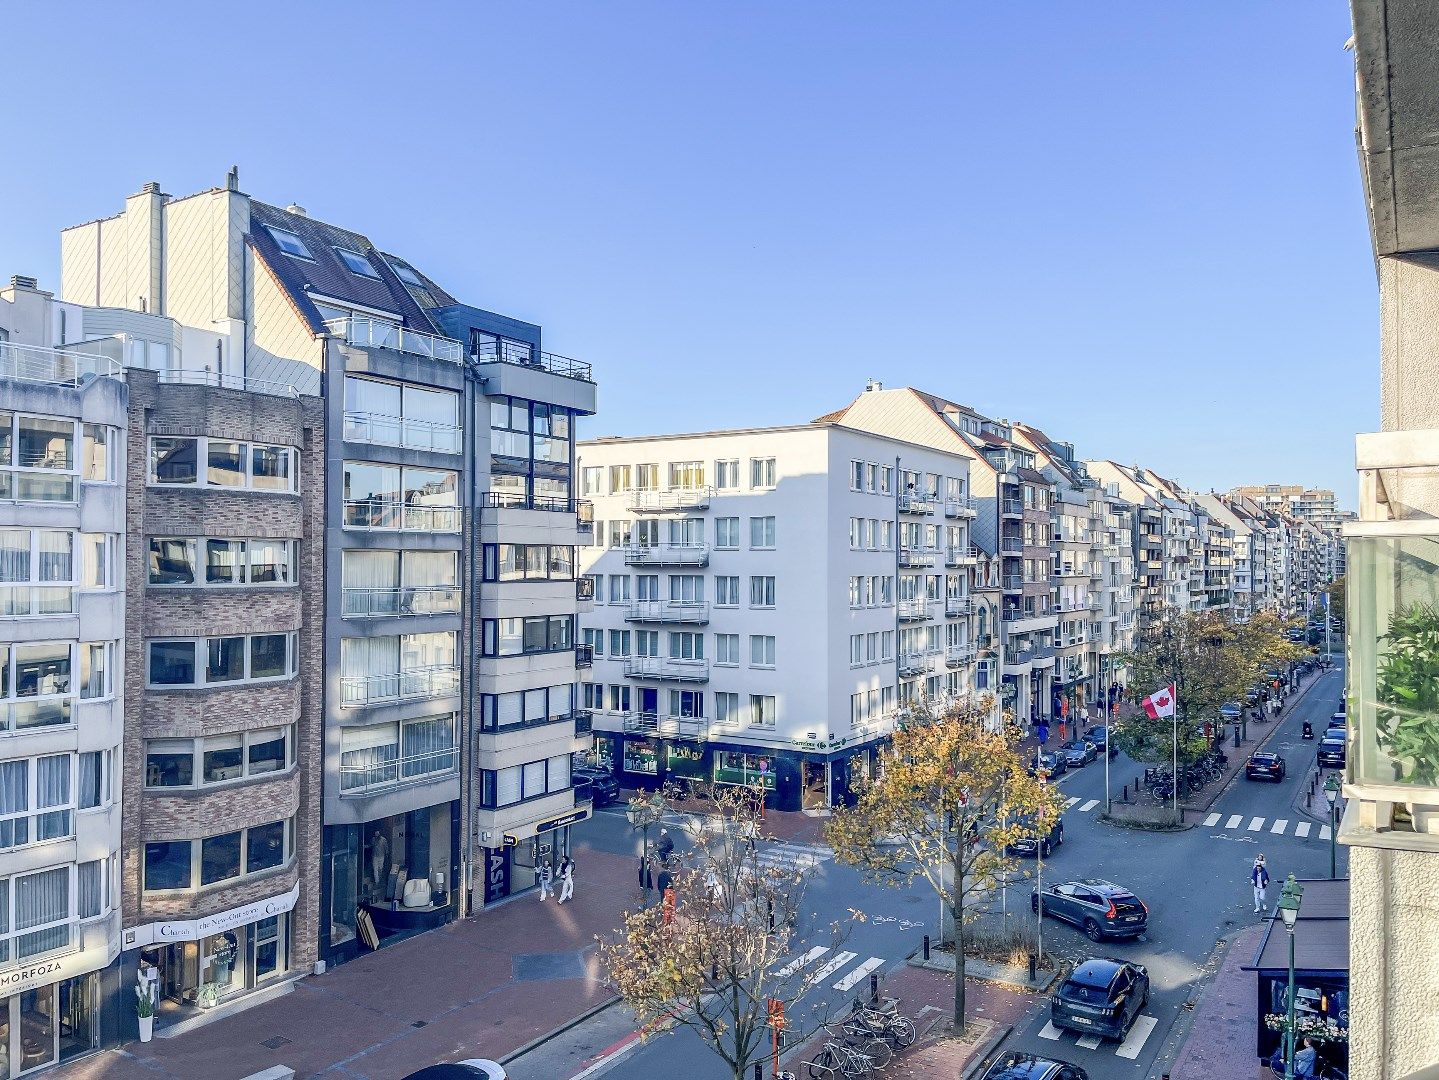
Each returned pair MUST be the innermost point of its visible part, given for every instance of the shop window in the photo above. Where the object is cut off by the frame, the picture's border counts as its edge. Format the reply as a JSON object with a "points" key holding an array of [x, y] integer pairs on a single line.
{"points": [[642, 757], [734, 767]]}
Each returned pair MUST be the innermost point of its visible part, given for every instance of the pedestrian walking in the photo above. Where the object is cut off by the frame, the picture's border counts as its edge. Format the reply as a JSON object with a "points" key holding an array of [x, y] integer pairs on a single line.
{"points": [[547, 880], [1259, 878], [567, 879], [665, 846]]}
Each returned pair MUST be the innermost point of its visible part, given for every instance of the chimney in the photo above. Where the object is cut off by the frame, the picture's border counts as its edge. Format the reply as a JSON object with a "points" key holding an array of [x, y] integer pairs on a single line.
{"points": [[20, 281], [871, 385], [232, 179], [297, 210]]}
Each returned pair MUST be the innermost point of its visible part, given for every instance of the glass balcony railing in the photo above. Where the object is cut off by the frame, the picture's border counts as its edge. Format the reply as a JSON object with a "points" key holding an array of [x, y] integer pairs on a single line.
{"points": [[383, 334], [413, 600], [21, 601], [62, 367], [386, 771], [431, 682], [380, 430], [403, 517]]}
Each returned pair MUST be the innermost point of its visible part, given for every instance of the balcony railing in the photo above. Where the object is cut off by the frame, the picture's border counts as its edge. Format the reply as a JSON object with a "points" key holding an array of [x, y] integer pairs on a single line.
{"points": [[63, 367], [402, 517], [584, 515], [381, 430], [955, 606], [960, 555], [1011, 545], [961, 507], [1011, 507], [584, 656], [383, 334], [669, 611], [417, 768], [584, 721], [415, 600], [694, 728], [914, 610], [667, 555], [917, 557], [673, 669], [523, 354], [957, 655], [431, 682], [31, 713], [584, 588], [914, 663], [674, 499], [915, 504], [226, 381], [21, 601]]}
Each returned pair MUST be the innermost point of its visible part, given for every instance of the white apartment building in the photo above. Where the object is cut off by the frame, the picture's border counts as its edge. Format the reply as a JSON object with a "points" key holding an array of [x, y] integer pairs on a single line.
{"points": [[768, 601]]}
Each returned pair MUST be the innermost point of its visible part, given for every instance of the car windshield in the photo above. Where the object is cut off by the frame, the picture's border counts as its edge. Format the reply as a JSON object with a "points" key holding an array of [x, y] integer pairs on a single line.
{"points": [[1263, 759], [1083, 992]]}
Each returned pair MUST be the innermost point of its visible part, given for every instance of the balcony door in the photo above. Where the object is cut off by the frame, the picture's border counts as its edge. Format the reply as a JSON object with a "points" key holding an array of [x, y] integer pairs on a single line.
{"points": [[649, 699]]}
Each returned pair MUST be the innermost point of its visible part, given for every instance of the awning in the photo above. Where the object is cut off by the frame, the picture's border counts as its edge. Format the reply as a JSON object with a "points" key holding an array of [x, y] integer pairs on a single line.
{"points": [[1321, 933]]}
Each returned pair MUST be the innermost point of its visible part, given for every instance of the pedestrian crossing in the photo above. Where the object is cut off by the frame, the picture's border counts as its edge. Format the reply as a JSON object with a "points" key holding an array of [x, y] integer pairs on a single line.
{"points": [[1277, 827], [782, 854], [1132, 1043], [826, 964]]}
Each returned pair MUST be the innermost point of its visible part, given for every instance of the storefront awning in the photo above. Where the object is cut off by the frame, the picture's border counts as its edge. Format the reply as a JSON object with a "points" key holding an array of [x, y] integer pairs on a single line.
{"points": [[1321, 934]]}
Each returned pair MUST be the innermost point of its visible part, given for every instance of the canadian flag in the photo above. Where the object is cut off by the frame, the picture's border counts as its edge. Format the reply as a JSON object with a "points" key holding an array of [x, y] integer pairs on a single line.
{"points": [[1160, 703]]}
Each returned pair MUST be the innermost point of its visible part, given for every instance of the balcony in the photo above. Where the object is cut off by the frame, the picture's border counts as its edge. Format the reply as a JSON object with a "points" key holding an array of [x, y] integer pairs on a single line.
{"points": [[383, 334], [960, 555], [959, 508], [915, 558], [958, 655], [395, 516], [916, 610], [916, 504], [584, 589], [690, 728], [667, 555], [1070, 570], [1012, 583], [397, 771], [522, 354], [415, 600], [957, 606], [380, 430], [914, 663], [584, 656], [226, 381], [695, 612], [670, 669], [655, 502], [1011, 545], [30, 713], [24, 601], [584, 516], [1011, 508], [59, 367], [1066, 607], [584, 721], [507, 500], [357, 691]]}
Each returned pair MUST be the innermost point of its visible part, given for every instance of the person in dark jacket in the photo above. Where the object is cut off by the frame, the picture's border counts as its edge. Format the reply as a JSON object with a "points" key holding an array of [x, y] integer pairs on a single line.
{"points": [[1259, 878]]}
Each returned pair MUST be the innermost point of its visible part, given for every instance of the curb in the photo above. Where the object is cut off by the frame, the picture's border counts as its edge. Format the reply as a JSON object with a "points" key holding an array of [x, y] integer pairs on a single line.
{"points": [[573, 1022], [1039, 987], [997, 1036]]}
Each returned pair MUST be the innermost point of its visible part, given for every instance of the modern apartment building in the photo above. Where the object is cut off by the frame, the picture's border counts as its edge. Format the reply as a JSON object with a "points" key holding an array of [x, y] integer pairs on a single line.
{"points": [[769, 601], [63, 667]]}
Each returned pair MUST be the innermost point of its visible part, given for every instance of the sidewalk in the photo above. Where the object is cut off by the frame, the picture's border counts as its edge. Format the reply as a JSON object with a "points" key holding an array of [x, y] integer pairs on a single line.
{"points": [[479, 988], [792, 826], [1220, 1045]]}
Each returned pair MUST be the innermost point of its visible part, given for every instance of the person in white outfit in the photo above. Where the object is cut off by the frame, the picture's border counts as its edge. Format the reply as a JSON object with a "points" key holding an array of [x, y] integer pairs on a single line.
{"points": [[547, 880], [567, 879]]}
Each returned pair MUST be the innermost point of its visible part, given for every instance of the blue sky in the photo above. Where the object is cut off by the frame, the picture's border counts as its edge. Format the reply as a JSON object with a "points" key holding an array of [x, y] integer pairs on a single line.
{"points": [[1138, 226]]}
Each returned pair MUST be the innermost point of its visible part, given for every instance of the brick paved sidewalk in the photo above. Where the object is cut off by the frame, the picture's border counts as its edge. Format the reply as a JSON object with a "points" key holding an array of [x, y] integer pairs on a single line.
{"points": [[793, 826], [1220, 1045], [479, 988]]}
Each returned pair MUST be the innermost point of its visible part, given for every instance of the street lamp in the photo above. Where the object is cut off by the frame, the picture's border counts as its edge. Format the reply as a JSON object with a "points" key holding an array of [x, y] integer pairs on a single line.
{"points": [[1288, 905], [1331, 795], [644, 813]]}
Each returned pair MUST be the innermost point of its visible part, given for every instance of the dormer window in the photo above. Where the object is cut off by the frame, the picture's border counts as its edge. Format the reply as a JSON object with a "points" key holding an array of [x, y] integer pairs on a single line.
{"points": [[356, 263], [408, 276], [289, 243]]}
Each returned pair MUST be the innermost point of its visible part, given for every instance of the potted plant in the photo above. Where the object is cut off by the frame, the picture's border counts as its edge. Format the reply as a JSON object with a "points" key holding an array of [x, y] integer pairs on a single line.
{"points": [[1407, 692], [145, 1007]]}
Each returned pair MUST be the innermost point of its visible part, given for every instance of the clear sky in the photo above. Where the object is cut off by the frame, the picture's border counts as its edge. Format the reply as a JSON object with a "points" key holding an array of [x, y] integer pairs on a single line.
{"points": [[1138, 226]]}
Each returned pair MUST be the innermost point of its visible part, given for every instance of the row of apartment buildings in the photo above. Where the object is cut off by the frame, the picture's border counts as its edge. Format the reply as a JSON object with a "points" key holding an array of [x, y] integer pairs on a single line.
{"points": [[313, 599]]}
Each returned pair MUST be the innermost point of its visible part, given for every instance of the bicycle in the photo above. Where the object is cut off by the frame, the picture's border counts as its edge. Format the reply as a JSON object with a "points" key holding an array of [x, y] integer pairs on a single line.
{"points": [[887, 1021], [1326, 1072], [838, 1059]]}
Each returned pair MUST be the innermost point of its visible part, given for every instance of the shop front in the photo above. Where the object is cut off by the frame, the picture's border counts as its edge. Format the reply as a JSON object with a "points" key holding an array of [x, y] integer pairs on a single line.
{"points": [[49, 1022], [513, 868]]}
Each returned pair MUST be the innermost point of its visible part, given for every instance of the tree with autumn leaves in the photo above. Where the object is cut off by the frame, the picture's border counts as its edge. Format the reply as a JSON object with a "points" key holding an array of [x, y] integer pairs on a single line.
{"points": [[721, 944], [951, 796]]}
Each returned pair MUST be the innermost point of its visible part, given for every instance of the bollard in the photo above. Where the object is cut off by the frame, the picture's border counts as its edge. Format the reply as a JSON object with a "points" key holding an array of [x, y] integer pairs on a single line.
{"points": [[1236, 736], [1308, 799], [1126, 793], [759, 1070], [873, 989], [926, 946], [1033, 968]]}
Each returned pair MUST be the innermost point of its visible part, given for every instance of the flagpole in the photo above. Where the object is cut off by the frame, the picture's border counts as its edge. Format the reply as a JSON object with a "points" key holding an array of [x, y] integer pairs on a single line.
{"points": [[1175, 703]]}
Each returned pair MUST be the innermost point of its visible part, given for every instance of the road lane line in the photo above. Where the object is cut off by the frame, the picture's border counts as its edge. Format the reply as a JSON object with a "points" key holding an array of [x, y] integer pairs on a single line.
{"points": [[834, 965], [1255, 824], [857, 976], [1302, 829], [1090, 805], [1324, 832], [1279, 826], [1233, 822], [1070, 803], [1089, 1042], [1212, 820], [1134, 1041], [808, 958], [1049, 1031]]}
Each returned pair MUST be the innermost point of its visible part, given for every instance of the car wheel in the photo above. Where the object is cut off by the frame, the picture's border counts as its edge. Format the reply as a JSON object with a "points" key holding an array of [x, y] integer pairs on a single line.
{"points": [[1092, 930]]}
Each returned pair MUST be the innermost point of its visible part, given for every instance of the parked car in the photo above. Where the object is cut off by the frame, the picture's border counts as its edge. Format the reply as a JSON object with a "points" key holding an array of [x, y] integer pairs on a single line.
{"points": [[1098, 737], [1031, 845], [1100, 908], [470, 1069], [1251, 698], [1101, 997], [603, 786], [1079, 752], [1051, 763], [1339, 719], [1331, 751], [1264, 766], [1012, 1066]]}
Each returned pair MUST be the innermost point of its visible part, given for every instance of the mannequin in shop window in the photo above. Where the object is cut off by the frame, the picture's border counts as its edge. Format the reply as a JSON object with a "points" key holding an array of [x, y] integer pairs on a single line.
{"points": [[379, 855]]}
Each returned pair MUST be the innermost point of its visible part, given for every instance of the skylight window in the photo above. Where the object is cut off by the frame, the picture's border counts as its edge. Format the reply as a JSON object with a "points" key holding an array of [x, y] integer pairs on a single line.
{"points": [[289, 243], [408, 276], [356, 263]]}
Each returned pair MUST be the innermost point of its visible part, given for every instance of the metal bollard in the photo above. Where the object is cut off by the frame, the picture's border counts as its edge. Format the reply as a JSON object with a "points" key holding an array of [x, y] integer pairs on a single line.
{"points": [[874, 989], [1308, 799], [1033, 968], [759, 1070], [926, 946]]}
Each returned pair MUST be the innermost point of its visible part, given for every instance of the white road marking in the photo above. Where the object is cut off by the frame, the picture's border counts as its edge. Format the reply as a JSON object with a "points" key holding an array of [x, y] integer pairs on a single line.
{"points": [[1233, 822], [1049, 1031], [859, 974], [1132, 1043], [1302, 829], [1255, 824], [1279, 826], [1324, 832], [1090, 805], [1212, 820], [808, 958], [1070, 803], [1089, 1042], [834, 965]]}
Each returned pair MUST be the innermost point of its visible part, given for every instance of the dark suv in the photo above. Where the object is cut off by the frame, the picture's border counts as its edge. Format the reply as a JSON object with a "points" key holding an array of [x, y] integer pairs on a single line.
{"points": [[604, 788], [1331, 750], [1264, 766], [1100, 908], [1101, 997], [1098, 737], [1030, 845], [1012, 1066]]}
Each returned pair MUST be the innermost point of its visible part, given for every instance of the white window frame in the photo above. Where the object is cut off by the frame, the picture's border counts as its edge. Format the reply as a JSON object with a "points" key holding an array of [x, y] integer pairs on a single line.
{"points": [[201, 646], [202, 458], [196, 862], [197, 758]]}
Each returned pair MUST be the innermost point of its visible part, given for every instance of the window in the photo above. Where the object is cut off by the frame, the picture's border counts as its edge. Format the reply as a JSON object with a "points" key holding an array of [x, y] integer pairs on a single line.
{"points": [[289, 243], [407, 275], [856, 650], [529, 562], [727, 474], [38, 462], [856, 592], [619, 699], [591, 480], [761, 710], [687, 703], [647, 587], [647, 643], [619, 643], [385, 754], [175, 462], [726, 590], [395, 497], [38, 798], [727, 709], [688, 475], [855, 533], [95, 457], [209, 661], [647, 477], [218, 759], [727, 532], [355, 263], [727, 649], [761, 592], [401, 414], [620, 479], [886, 479], [178, 865], [217, 561], [761, 650], [686, 646], [761, 532], [533, 634], [619, 588], [856, 476], [36, 915], [761, 472], [518, 783]]}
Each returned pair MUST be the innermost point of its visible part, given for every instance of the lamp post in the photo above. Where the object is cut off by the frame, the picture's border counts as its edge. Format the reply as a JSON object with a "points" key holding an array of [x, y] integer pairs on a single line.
{"points": [[1288, 905], [643, 814], [1331, 796]]}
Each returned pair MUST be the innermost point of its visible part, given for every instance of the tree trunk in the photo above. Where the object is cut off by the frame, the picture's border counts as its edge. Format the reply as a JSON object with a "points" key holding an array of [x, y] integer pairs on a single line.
{"points": [[957, 913]]}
